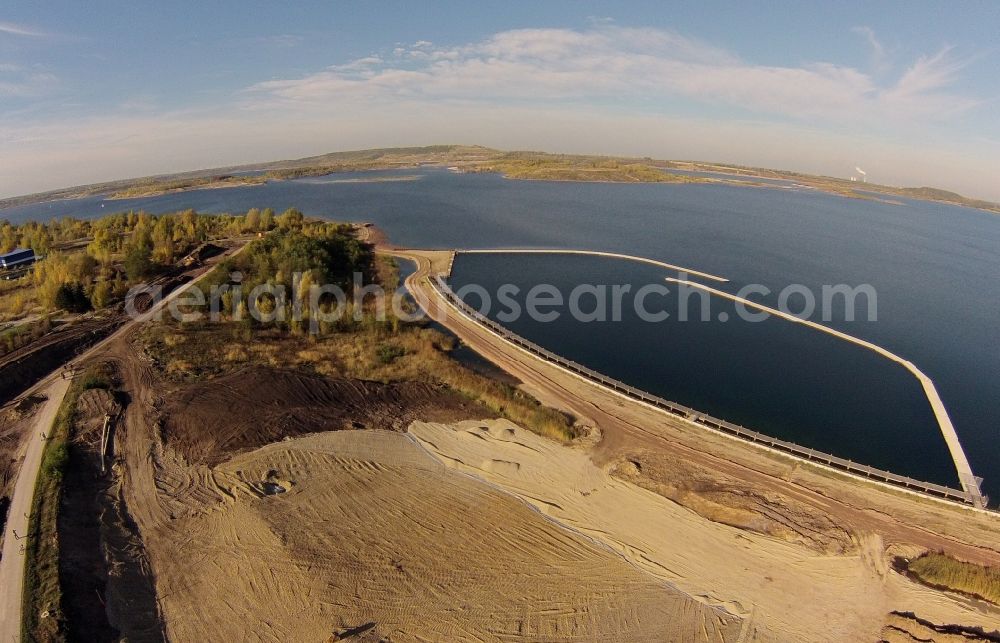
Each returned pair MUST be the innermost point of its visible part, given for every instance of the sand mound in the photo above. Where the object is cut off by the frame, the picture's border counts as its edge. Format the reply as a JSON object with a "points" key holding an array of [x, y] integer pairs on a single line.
{"points": [[782, 590], [726, 499], [209, 421], [373, 539]]}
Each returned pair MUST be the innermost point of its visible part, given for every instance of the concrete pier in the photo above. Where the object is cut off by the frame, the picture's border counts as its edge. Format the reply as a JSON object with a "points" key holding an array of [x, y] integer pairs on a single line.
{"points": [[970, 483], [597, 253]]}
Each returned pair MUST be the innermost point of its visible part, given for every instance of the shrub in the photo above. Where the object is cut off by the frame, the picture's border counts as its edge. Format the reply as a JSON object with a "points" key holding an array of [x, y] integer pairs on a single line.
{"points": [[94, 381], [389, 353], [55, 461], [939, 570]]}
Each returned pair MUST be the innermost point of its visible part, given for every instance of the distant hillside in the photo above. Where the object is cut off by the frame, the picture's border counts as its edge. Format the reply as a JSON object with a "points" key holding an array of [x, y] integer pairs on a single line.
{"points": [[836, 185], [936, 194], [384, 158], [475, 158]]}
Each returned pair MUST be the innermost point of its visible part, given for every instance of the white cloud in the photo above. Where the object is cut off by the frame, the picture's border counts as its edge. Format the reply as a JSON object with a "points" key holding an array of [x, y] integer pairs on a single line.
{"points": [[619, 63], [879, 55], [13, 29]]}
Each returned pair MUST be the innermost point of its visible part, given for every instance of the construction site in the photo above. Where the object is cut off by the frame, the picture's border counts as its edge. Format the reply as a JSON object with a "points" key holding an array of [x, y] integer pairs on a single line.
{"points": [[276, 494]]}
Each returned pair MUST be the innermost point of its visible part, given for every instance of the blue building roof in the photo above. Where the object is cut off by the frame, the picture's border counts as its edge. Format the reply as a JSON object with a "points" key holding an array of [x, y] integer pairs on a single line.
{"points": [[21, 255]]}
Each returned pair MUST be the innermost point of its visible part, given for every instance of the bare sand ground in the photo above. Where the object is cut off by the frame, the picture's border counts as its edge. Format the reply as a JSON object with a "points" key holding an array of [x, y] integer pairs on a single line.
{"points": [[784, 590], [372, 532]]}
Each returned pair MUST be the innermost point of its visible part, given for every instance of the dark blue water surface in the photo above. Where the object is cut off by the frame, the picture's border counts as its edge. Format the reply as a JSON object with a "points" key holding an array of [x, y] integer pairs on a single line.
{"points": [[934, 266], [781, 378]]}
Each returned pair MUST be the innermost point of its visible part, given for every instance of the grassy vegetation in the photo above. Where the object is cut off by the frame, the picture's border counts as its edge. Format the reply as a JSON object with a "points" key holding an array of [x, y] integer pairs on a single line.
{"points": [[574, 168], [42, 593], [151, 187], [944, 572], [361, 344]]}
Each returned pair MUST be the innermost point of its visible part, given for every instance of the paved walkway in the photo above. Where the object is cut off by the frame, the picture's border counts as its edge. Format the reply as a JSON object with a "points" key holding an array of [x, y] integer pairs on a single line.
{"points": [[12, 564]]}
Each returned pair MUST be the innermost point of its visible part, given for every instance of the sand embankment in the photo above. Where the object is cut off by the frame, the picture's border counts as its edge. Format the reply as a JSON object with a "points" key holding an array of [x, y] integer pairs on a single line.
{"points": [[782, 590], [371, 534]]}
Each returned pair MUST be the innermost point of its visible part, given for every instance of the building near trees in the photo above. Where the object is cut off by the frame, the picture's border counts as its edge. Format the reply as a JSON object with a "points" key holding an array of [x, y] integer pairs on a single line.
{"points": [[17, 258]]}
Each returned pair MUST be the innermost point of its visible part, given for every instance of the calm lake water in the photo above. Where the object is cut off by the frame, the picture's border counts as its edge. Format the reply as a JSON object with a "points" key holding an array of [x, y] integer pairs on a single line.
{"points": [[935, 269]]}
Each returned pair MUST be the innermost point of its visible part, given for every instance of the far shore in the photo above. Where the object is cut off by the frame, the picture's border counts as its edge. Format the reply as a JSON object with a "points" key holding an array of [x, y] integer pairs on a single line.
{"points": [[210, 186], [515, 165]]}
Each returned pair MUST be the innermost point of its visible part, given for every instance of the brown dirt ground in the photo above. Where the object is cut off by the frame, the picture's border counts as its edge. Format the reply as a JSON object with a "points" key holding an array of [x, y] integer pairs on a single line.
{"points": [[373, 532], [258, 405], [783, 590], [902, 627], [83, 572], [24, 367], [728, 500]]}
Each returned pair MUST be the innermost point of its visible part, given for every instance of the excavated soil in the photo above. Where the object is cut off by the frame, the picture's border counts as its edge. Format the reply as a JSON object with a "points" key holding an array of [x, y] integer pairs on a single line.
{"points": [[783, 588], [249, 529], [727, 500], [83, 571], [210, 421], [904, 627], [351, 534], [21, 369]]}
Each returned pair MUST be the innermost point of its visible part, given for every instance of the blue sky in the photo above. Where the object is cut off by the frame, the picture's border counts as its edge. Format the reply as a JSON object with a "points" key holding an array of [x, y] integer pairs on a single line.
{"points": [[104, 90]]}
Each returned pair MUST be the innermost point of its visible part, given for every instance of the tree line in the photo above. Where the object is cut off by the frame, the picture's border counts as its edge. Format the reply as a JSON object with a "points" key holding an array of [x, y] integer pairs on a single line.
{"points": [[88, 264]]}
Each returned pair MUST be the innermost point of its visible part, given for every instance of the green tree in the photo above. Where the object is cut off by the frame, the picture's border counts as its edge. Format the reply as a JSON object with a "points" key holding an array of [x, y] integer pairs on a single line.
{"points": [[138, 262], [189, 229], [104, 245], [73, 298], [163, 240], [101, 296], [252, 221], [291, 219], [267, 220]]}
